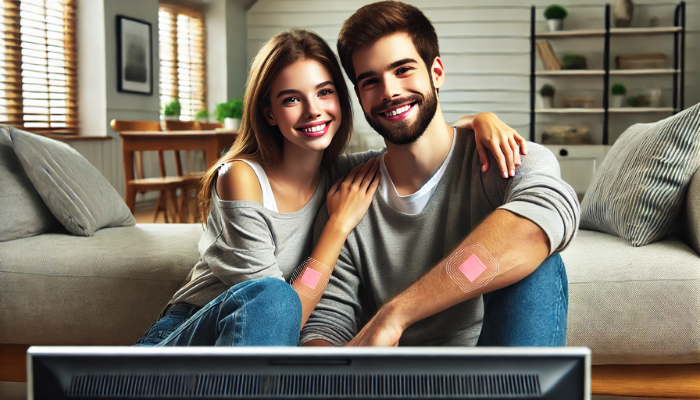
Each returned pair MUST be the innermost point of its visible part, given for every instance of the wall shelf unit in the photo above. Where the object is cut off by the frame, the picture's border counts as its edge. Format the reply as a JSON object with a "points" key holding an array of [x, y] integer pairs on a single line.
{"points": [[677, 72]]}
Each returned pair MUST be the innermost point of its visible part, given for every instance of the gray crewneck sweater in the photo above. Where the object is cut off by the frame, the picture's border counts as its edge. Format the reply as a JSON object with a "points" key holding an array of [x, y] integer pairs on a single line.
{"points": [[388, 251]]}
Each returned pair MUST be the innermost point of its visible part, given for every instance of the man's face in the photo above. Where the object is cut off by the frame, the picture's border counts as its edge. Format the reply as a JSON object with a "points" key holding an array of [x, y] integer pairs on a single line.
{"points": [[395, 88]]}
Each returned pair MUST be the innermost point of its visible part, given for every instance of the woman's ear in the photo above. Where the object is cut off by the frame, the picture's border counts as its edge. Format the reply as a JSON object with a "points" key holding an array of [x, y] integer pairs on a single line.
{"points": [[269, 117]]}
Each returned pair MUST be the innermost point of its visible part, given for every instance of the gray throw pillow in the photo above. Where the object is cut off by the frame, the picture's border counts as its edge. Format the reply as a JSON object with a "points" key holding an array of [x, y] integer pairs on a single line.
{"points": [[638, 190], [22, 212], [76, 192]]}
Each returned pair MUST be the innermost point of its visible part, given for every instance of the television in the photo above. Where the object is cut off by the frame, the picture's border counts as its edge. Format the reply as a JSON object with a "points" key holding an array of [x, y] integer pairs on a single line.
{"points": [[308, 373]]}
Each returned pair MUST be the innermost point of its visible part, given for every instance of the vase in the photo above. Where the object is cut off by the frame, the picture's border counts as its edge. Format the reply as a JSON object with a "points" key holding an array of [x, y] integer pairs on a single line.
{"points": [[617, 100], [232, 123], [622, 11], [555, 24], [547, 101]]}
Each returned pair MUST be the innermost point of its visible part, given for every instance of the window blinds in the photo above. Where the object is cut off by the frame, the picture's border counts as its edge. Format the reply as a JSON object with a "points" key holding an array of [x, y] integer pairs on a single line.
{"points": [[38, 83], [182, 58]]}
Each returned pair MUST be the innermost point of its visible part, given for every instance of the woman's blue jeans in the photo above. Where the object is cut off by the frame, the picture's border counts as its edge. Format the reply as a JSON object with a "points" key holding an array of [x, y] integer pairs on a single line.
{"points": [[267, 312], [260, 312], [530, 312]]}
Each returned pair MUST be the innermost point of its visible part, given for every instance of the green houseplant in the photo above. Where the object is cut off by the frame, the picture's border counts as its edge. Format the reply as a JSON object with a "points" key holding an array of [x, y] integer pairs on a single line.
{"points": [[171, 111], [547, 92], [573, 61], [618, 91], [555, 14], [202, 115], [229, 113]]}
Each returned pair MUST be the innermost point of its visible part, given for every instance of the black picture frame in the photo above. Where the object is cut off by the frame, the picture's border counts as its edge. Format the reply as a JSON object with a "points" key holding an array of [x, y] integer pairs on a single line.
{"points": [[134, 56]]}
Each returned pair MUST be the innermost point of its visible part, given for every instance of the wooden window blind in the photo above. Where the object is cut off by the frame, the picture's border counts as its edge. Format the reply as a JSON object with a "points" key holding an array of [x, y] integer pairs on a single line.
{"points": [[182, 57], [38, 82]]}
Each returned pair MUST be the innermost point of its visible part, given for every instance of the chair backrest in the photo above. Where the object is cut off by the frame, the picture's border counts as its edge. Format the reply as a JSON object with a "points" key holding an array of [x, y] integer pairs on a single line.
{"points": [[180, 125], [209, 126], [121, 125]]}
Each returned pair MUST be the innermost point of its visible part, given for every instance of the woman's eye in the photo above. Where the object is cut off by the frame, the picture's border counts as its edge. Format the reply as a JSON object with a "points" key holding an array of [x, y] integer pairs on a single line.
{"points": [[289, 100], [325, 92]]}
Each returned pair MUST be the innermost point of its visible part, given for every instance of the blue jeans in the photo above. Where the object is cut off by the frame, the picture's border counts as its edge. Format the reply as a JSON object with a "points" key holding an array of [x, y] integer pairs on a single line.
{"points": [[531, 312], [260, 312]]}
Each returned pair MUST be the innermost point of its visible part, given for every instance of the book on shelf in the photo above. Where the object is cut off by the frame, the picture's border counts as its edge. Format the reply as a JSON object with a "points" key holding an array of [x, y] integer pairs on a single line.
{"points": [[547, 56]]}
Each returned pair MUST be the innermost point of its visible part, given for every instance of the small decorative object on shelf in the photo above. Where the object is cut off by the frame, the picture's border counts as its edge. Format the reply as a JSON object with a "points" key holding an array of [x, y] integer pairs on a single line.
{"points": [[547, 56], [622, 11], [641, 61], [654, 95], [229, 113], [640, 100], [566, 134], [547, 91], [654, 22], [555, 15], [578, 102], [573, 61], [171, 111], [618, 95]]}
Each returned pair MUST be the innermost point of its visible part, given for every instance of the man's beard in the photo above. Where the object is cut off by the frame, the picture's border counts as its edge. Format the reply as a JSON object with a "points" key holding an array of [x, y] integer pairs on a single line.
{"points": [[405, 132]]}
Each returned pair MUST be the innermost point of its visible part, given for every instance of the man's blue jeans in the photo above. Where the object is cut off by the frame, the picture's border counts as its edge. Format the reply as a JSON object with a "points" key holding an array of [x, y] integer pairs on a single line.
{"points": [[267, 312], [260, 312], [531, 312]]}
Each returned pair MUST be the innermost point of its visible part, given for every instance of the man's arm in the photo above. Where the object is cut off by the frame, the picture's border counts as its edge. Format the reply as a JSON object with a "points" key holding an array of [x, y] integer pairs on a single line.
{"points": [[516, 243], [540, 216]]}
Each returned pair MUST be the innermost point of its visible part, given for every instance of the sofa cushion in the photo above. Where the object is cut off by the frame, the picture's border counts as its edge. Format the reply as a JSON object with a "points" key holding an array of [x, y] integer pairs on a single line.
{"points": [[22, 212], [633, 305], [60, 289], [691, 214], [76, 192], [638, 190]]}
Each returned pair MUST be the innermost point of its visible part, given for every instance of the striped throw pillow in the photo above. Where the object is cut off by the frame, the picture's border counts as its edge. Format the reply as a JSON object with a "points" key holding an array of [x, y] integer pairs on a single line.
{"points": [[638, 190]]}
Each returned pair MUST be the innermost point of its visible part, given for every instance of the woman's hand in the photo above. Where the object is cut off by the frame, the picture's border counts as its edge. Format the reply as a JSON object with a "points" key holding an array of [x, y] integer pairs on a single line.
{"points": [[349, 198], [492, 134]]}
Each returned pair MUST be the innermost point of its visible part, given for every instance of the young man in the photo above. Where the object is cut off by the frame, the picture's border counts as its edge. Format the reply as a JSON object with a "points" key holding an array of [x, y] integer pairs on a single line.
{"points": [[440, 235]]}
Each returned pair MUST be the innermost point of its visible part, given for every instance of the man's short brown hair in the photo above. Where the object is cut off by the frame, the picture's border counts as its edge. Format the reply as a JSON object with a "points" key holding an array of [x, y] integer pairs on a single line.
{"points": [[377, 20]]}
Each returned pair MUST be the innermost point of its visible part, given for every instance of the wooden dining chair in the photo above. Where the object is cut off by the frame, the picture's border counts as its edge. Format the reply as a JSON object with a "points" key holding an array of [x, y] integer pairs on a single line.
{"points": [[191, 178], [165, 186]]}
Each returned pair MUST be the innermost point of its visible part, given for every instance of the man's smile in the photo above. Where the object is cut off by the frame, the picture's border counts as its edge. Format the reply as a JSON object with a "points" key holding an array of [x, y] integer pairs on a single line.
{"points": [[397, 113]]}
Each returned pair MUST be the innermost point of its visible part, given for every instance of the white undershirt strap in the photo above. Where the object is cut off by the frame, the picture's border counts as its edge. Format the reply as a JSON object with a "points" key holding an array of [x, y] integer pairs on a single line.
{"points": [[268, 197]]}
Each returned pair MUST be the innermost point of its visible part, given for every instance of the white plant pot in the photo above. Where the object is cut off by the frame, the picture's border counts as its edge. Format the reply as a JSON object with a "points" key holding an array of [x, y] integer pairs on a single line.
{"points": [[555, 24], [232, 123], [617, 100], [547, 101]]}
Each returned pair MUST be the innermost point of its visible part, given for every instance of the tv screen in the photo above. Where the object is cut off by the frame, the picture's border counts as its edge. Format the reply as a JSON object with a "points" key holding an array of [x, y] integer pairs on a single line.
{"points": [[308, 372]]}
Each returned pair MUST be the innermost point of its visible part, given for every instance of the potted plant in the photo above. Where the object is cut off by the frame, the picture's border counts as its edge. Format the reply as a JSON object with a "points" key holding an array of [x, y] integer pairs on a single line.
{"points": [[618, 95], [230, 113], [202, 116], [555, 14], [573, 61], [547, 92], [171, 111]]}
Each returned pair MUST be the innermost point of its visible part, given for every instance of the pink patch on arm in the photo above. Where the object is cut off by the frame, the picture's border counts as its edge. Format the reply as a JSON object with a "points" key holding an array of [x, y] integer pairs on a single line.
{"points": [[310, 278], [472, 268]]}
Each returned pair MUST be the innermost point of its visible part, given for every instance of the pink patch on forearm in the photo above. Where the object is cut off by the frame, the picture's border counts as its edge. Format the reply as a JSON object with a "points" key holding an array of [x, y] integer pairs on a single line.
{"points": [[310, 278], [472, 268]]}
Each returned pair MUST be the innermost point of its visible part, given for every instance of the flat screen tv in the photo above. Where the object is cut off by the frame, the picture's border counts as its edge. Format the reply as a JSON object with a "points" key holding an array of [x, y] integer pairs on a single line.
{"points": [[308, 373]]}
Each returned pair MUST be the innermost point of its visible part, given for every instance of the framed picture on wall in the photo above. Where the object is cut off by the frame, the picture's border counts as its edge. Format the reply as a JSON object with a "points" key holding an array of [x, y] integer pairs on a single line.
{"points": [[134, 56]]}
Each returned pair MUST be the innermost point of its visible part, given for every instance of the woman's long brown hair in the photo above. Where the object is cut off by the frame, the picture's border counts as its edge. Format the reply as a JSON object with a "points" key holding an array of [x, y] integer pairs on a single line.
{"points": [[259, 141]]}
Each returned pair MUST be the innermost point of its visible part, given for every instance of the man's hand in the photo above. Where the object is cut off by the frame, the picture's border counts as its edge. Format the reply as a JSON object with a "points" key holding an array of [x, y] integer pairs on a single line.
{"points": [[384, 329]]}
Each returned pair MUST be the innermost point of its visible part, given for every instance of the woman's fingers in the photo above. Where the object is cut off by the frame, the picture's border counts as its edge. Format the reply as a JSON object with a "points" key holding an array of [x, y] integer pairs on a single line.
{"points": [[335, 186], [522, 142], [483, 157], [375, 183], [516, 151], [508, 153], [498, 153], [351, 176], [367, 180]]}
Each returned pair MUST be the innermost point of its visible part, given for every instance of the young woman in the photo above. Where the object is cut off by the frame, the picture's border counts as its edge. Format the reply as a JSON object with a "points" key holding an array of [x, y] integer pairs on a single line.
{"points": [[261, 199]]}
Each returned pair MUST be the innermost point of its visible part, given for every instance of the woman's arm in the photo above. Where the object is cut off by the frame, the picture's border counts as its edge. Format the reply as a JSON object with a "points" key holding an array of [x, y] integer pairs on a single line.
{"points": [[493, 134], [347, 201]]}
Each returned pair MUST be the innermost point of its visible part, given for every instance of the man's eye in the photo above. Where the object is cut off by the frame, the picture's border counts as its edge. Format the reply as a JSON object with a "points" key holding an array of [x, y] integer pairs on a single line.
{"points": [[402, 70], [368, 82]]}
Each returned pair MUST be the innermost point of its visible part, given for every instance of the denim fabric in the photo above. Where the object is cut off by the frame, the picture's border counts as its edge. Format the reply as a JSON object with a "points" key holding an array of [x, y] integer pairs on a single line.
{"points": [[259, 312], [531, 312]]}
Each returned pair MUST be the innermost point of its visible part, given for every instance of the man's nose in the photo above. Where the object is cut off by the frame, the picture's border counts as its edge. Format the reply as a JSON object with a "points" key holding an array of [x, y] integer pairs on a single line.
{"points": [[391, 89]]}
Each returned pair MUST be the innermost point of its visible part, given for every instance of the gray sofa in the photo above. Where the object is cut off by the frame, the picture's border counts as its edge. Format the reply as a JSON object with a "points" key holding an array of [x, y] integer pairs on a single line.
{"points": [[629, 305]]}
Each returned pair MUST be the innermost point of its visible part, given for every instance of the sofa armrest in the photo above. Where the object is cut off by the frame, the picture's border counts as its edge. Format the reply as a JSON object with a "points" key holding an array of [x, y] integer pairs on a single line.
{"points": [[690, 215]]}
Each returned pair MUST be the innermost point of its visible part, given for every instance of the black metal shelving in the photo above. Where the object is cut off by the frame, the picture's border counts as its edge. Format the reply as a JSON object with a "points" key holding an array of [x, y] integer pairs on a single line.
{"points": [[678, 64]]}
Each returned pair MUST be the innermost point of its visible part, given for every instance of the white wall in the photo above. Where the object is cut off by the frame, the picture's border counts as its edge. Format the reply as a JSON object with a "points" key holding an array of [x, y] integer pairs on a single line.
{"points": [[485, 47]]}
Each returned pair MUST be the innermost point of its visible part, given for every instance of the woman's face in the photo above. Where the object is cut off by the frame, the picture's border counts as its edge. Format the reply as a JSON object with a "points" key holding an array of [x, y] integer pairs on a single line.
{"points": [[304, 104]]}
